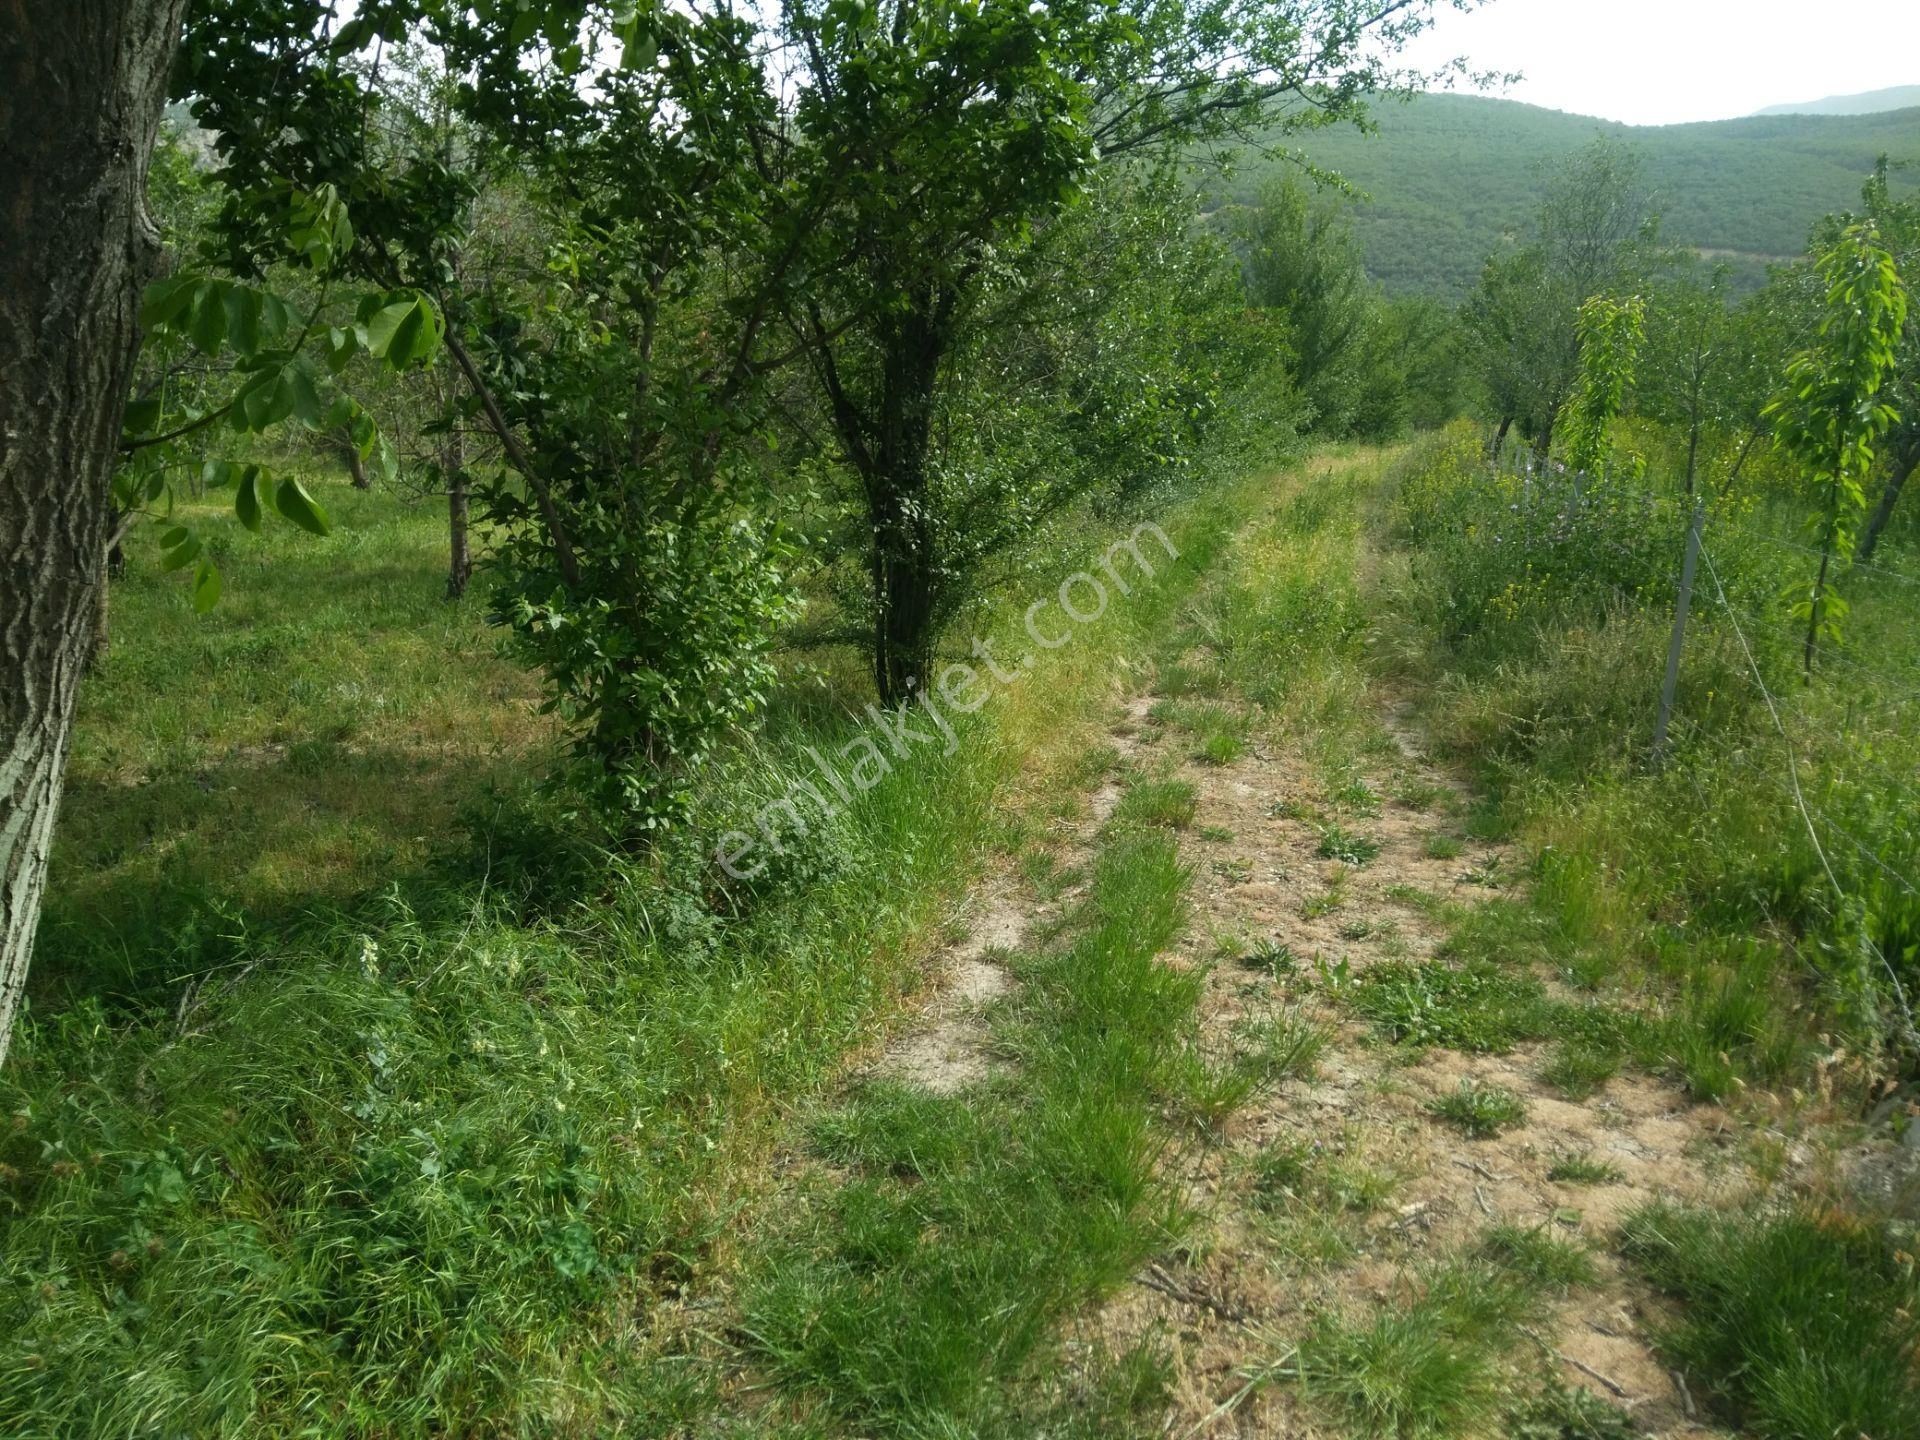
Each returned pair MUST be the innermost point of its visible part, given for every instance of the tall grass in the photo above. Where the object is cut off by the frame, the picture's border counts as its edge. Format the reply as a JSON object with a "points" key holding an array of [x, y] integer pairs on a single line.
{"points": [[1539, 619], [405, 1132], [1799, 1325], [923, 1285]]}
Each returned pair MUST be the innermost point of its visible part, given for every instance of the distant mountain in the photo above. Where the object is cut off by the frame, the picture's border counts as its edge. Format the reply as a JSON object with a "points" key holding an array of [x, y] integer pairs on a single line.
{"points": [[1447, 176], [1868, 102]]}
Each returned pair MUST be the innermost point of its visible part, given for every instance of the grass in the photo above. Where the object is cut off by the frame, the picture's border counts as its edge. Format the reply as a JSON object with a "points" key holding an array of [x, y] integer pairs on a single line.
{"points": [[1222, 748], [317, 738], [1571, 1169], [1282, 1045], [1020, 1204], [1433, 1366], [1299, 1178], [1546, 1260], [1578, 1069], [1799, 1325], [1169, 803], [1442, 847], [1479, 1111], [404, 1124]]}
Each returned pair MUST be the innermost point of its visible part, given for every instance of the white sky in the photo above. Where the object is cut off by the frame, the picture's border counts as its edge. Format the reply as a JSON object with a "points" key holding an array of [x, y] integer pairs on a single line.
{"points": [[1657, 62]]}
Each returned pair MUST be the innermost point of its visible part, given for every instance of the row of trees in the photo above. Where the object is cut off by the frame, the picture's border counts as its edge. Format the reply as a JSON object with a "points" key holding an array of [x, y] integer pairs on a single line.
{"points": [[1728, 377], [663, 294], [1823, 364]]}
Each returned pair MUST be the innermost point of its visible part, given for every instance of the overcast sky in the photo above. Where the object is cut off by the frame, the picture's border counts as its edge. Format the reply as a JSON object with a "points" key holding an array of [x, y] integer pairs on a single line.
{"points": [[1658, 62]]}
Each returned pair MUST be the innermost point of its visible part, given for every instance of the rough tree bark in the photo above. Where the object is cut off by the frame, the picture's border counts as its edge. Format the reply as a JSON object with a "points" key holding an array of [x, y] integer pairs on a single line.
{"points": [[82, 84]]}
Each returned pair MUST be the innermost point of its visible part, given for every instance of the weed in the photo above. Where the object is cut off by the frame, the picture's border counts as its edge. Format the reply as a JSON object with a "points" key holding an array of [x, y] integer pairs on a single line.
{"points": [[1479, 1111], [1478, 1008], [1488, 873], [1346, 846], [1216, 834], [1273, 956], [1442, 847], [1567, 1412], [1356, 797], [1414, 898], [1416, 794], [1369, 929], [1572, 1169]]}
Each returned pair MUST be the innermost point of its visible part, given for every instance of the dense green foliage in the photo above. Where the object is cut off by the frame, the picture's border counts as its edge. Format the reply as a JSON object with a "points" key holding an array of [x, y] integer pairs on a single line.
{"points": [[1447, 178]]}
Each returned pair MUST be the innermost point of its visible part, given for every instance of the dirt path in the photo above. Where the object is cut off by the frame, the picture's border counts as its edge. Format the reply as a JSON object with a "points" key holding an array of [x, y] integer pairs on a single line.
{"points": [[1278, 925], [1422, 1190]]}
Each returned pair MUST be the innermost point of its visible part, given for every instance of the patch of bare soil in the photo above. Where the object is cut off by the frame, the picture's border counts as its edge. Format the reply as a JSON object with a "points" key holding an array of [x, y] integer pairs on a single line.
{"points": [[1248, 1281]]}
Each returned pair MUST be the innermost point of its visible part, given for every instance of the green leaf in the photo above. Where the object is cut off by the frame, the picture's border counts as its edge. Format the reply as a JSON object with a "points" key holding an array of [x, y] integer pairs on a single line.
{"points": [[340, 344], [181, 555], [293, 501], [207, 319], [403, 333], [243, 319], [142, 417], [206, 587], [167, 300], [306, 400], [249, 500], [267, 401], [177, 536]]}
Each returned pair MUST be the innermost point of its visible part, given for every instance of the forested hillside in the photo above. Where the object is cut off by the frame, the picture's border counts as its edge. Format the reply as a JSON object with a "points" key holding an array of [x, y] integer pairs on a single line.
{"points": [[1447, 176]]}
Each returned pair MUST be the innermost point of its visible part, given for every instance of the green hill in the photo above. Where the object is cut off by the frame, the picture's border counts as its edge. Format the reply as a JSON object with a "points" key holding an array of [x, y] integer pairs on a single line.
{"points": [[1446, 176], [1868, 102]]}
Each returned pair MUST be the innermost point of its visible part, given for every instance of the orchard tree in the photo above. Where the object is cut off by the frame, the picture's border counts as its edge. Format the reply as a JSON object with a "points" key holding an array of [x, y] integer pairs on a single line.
{"points": [[1590, 237], [1834, 409], [1610, 334], [82, 88], [1898, 223], [951, 135], [1303, 263]]}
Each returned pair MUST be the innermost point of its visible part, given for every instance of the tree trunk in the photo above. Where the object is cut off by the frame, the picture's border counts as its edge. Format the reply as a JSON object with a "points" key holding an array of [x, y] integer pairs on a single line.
{"points": [[904, 559], [453, 464], [1903, 468], [1500, 437], [82, 83], [356, 467]]}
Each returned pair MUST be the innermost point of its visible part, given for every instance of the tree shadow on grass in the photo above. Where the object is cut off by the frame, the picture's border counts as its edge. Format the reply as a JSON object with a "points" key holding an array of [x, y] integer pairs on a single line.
{"points": [[162, 881]]}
